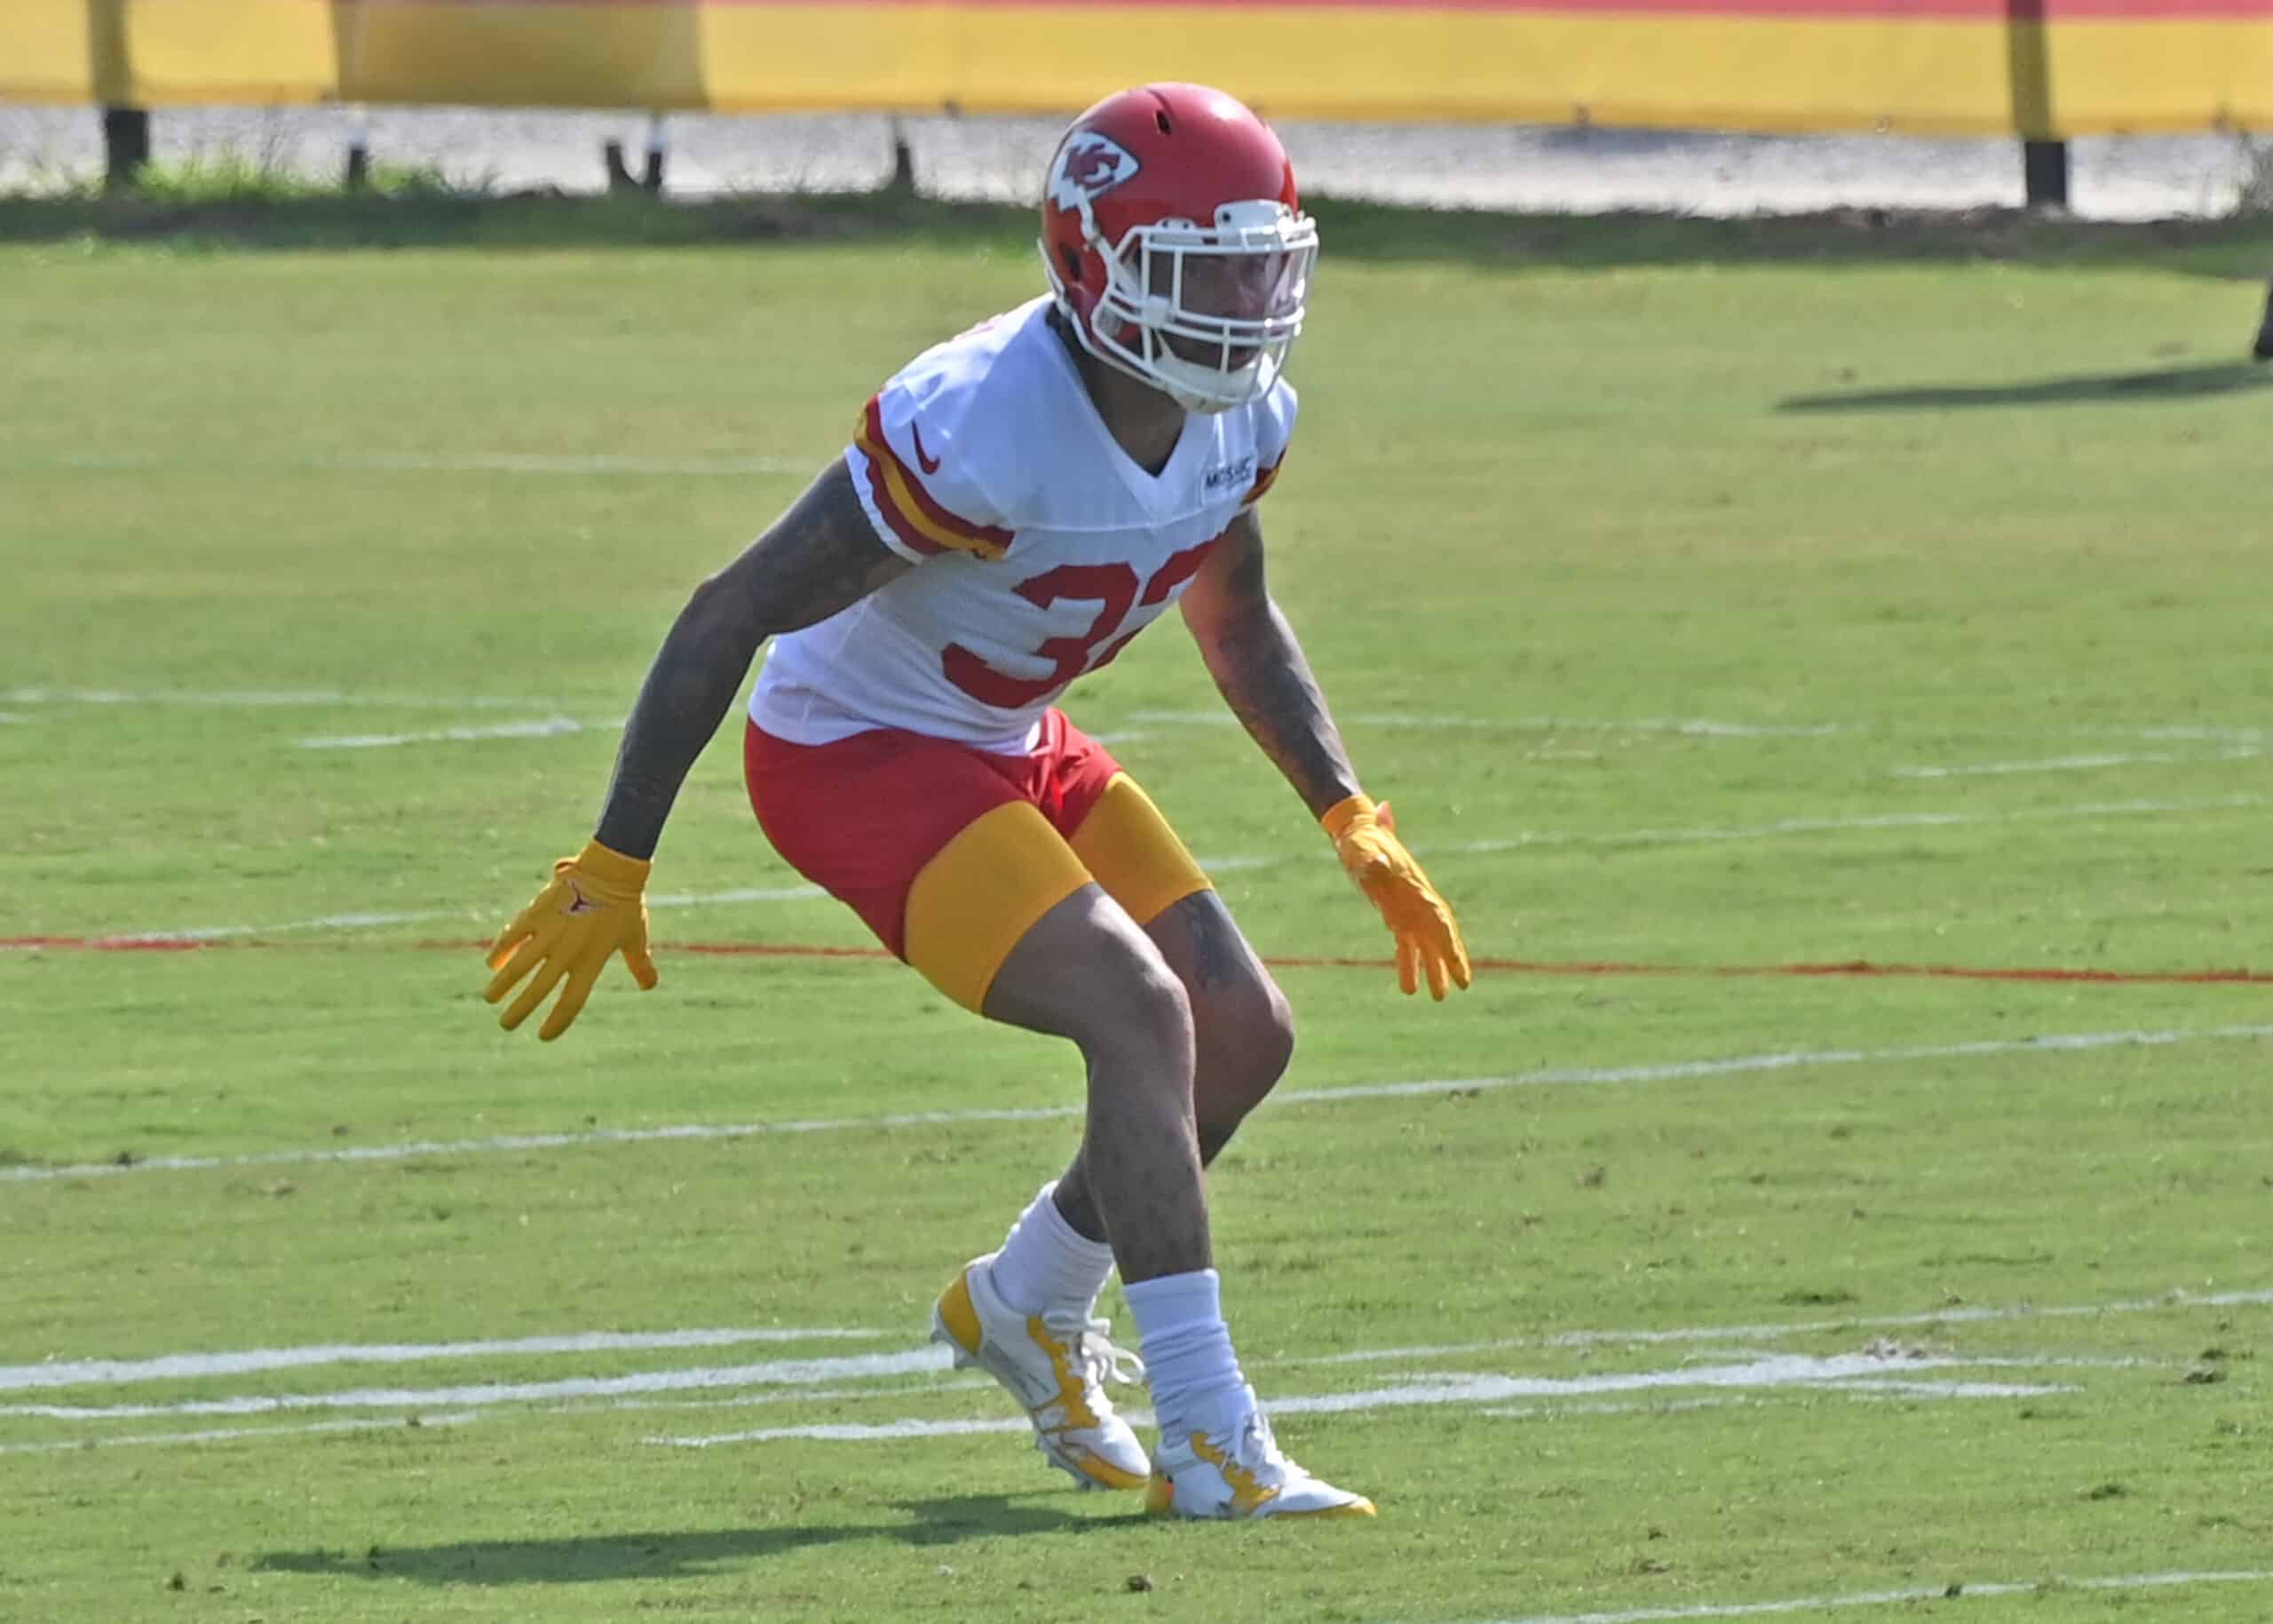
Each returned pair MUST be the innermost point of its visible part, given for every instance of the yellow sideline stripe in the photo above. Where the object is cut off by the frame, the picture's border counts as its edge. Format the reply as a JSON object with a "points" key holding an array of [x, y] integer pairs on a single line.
{"points": [[1923, 75]]}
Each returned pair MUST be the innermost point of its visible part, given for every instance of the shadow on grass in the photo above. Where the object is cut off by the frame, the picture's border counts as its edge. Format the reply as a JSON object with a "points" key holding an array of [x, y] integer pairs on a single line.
{"points": [[2171, 383], [676, 1553], [252, 218]]}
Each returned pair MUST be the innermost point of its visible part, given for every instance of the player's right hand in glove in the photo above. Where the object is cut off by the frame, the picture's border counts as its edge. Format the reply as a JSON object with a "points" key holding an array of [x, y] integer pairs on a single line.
{"points": [[1428, 936], [595, 907]]}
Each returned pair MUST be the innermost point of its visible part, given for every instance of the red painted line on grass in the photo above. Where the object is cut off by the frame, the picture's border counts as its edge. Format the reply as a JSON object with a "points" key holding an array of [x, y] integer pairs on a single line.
{"points": [[1859, 967]]}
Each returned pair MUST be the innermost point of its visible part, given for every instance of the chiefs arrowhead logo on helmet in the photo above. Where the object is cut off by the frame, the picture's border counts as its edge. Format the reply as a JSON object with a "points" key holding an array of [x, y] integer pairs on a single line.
{"points": [[1174, 243], [1089, 165]]}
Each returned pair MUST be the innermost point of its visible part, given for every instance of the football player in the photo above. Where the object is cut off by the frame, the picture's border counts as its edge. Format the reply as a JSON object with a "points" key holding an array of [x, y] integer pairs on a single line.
{"points": [[1014, 506]]}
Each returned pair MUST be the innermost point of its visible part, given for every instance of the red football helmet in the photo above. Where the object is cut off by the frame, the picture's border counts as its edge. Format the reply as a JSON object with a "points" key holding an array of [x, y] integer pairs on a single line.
{"points": [[1176, 244]]}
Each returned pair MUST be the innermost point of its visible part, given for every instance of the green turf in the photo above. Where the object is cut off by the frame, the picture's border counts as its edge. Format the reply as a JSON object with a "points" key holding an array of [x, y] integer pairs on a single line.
{"points": [[1707, 597]]}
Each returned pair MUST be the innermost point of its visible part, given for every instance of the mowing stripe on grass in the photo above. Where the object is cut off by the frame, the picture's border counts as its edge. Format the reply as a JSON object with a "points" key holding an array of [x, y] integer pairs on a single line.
{"points": [[1959, 1314], [1771, 1370], [186, 1366], [1699, 727], [1691, 727], [1852, 1392], [223, 1435], [2076, 763], [765, 1373], [1776, 1371], [1677, 1071], [227, 936], [125, 940], [252, 935], [546, 727], [1955, 1590], [1833, 826], [77, 1372]]}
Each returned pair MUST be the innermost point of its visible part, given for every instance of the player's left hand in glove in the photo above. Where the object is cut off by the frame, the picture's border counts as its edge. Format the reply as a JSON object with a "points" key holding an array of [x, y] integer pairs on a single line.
{"points": [[1428, 936], [595, 908]]}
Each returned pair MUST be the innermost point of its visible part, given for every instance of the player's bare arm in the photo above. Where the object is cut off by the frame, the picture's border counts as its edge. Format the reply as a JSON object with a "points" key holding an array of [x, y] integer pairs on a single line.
{"points": [[819, 556], [1259, 668]]}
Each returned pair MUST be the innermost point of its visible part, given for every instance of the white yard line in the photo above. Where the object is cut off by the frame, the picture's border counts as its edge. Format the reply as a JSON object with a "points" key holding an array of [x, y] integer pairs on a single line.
{"points": [[462, 462], [1694, 727], [327, 922], [2233, 735], [1777, 1371], [373, 921], [765, 1373], [2076, 763], [1861, 1377], [271, 699], [222, 1435], [727, 898], [1968, 1591], [1678, 1071], [248, 1361], [546, 727], [1707, 727], [180, 1367], [1956, 1314], [1829, 826]]}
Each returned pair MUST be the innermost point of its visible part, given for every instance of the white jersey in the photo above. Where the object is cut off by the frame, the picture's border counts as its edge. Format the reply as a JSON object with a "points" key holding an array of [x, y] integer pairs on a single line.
{"points": [[1042, 547]]}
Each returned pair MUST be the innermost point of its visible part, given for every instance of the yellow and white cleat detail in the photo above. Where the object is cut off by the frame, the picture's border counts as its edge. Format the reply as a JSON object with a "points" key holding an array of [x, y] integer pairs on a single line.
{"points": [[1230, 1467], [1056, 1366]]}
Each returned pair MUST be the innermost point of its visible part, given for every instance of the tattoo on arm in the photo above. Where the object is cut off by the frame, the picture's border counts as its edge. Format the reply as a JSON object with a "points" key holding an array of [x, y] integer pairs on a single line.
{"points": [[819, 556], [1259, 669]]}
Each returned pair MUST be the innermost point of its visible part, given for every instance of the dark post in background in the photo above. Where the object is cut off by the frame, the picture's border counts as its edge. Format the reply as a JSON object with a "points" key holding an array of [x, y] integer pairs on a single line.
{"points": [[2044, 156]]}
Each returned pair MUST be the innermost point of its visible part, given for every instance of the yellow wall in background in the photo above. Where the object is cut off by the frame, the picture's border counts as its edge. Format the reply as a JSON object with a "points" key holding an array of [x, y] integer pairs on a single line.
{"points": [[1947, 67]]}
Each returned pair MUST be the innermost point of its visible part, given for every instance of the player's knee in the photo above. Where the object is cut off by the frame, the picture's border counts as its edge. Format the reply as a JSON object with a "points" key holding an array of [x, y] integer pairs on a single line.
{"points": [[1149, 1009], [1126, 1004], [1274, 1036], [1249, 1044]]}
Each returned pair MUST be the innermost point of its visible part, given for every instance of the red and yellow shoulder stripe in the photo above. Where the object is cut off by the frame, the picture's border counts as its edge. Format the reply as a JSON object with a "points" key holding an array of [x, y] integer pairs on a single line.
{"points": [[914, 516], [1263, 481]]}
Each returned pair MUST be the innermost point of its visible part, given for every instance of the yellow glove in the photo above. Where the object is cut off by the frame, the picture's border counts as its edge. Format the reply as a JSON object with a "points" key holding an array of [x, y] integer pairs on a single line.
{"points": [[595, 907], [1428, 936]]}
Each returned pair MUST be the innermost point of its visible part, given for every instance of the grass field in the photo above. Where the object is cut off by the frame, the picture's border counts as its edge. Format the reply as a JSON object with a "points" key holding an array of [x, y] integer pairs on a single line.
{"points": [[1712, 601]]}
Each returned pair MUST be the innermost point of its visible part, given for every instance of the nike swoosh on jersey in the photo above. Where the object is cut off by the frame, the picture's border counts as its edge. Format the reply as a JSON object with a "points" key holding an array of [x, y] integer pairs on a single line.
{"points": [[929, 464]]}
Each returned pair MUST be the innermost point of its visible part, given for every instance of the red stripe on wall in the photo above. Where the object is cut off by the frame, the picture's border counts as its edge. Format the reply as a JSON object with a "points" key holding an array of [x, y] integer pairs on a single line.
{"points": [[1875, 10]]}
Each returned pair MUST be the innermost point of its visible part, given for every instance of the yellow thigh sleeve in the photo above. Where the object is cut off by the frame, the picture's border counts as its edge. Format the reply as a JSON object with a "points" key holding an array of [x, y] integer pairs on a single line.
{"points": [[982, 892], [1134, 853]]}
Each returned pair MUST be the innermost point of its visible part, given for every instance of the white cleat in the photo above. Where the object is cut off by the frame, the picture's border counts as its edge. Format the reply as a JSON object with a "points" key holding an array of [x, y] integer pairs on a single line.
{"points": [[1055, 1364], [1229, 1466]]}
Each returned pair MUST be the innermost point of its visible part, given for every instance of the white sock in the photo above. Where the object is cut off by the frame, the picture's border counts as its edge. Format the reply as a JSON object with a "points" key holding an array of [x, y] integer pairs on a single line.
{"points": [[1187, 1347], [1046, 1263]]}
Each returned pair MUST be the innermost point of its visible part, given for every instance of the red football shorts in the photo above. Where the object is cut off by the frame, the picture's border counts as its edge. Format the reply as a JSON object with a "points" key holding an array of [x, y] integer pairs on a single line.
{"points": [[952, 853]]}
